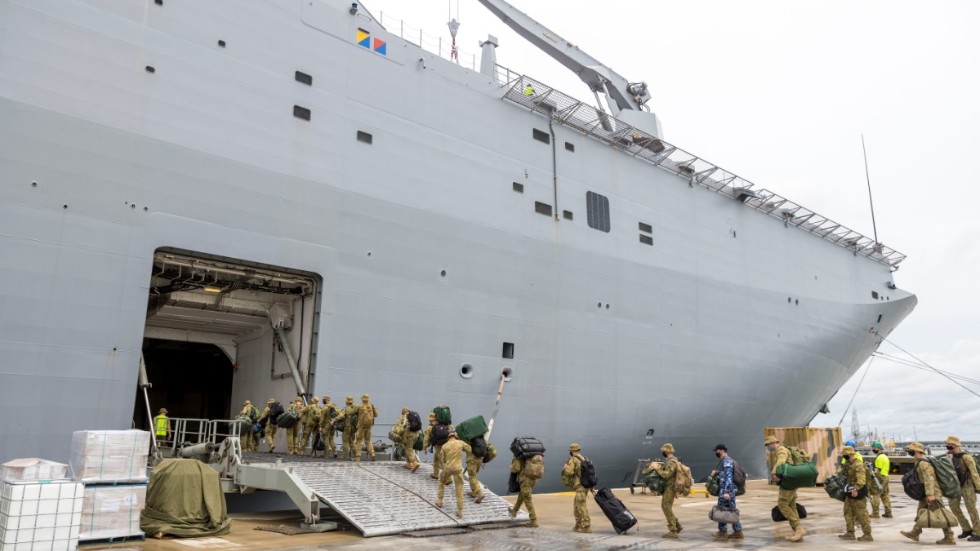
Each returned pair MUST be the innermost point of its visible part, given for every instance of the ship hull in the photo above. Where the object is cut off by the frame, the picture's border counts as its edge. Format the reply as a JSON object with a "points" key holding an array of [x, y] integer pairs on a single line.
{"points": [[427, 257]]}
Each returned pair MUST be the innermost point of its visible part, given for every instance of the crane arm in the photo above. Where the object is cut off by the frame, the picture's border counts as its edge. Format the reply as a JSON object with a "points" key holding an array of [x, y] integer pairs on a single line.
{"points": [[624, 95]]}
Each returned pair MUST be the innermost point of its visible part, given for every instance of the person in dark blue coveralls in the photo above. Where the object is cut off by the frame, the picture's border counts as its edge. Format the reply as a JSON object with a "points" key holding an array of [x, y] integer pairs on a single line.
{"points": [[726, 490]]}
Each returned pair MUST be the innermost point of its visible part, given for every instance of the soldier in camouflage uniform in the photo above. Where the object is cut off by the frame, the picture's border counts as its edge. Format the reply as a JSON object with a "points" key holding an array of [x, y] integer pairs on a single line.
{"points": [[452, 461], [571, 476], [473, 464], [855, 508], [882, 467], [524, 496], [409, 437], [327, 416], [347, 417], [249, 437], [778, 455], [927, 476], [427, 442], [311, 426], [668, 472], [966, 470], [293, 432], [365, 422], [269, 424]]}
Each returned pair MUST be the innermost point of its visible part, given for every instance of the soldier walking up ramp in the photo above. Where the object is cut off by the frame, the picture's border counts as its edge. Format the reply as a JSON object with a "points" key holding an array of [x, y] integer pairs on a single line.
{"points": [[383, 498]]}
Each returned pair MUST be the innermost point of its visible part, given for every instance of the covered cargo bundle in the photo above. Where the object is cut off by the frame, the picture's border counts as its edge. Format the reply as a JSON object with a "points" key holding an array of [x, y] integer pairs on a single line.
{"points": [[471, 428], [112, 512], [184, 499], [526, 446], [792, 477], [109, 455]]}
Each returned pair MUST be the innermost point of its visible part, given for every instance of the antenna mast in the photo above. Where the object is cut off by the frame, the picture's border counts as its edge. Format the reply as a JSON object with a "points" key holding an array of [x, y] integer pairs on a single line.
{"points": [[867, 177]]}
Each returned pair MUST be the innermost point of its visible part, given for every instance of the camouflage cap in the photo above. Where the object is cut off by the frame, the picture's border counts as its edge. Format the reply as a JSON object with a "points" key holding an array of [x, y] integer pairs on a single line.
{"points": [[432, 417], [349, 399], [248, 402], [405, 410], [916, 447], [452, 434], [876, 444], [574, 447], [270, 401], [365, 397], [326, 398], [163, 411], [771, 440], [667, 448], [315, 399], [952, 441], [847, 450]]}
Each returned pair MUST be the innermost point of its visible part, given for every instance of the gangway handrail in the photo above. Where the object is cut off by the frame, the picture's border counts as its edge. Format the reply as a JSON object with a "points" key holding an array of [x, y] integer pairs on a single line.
{"points": [[592, 122]]}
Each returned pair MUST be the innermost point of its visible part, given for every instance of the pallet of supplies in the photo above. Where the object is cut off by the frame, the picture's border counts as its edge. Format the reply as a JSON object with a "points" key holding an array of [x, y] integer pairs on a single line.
{"points": [[109, 455], [40, 515], [112, 512], [33, 469]]}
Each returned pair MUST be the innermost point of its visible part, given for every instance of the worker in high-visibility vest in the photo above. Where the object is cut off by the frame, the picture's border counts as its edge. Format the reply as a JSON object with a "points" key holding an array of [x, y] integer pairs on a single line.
{"points": [[161, 426]]}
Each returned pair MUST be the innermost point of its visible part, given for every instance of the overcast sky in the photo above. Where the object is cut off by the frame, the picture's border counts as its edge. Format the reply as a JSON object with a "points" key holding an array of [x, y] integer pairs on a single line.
{"points": [[779, 93]]}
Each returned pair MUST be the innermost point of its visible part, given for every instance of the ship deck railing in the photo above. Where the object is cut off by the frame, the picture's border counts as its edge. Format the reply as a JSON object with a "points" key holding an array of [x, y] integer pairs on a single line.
{"points": [[568, 111]]}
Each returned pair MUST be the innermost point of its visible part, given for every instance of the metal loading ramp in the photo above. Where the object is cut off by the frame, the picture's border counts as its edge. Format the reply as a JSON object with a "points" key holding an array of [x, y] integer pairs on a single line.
{"points": [[383, 498]]}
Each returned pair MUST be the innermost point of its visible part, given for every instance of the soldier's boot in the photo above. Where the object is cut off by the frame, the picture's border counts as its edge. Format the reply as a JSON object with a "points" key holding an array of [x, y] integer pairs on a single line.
{"points": [[888, 514], [865, 537], [434, 474], [948, 538], [797, 534], [459, 513], [910, 535], [533, 524], [720, 534], [512, 512], [965, 534], [479, 497], [585, 529], [736, 535], [846, 536], [671, 535], [439, 503], [875, 515], [416, 466], [679, 527]]}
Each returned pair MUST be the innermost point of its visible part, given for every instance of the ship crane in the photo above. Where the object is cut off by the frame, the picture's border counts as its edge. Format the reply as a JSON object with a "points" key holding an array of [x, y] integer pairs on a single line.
{"points": [[627, 100]]}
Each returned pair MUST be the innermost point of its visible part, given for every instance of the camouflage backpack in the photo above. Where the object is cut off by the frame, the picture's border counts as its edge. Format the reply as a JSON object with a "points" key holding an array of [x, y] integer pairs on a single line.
{"points": [[534, 467], [799, 456], [683, 479]]}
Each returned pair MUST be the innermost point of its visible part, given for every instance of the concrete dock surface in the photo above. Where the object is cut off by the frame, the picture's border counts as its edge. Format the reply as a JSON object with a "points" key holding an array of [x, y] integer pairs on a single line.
{"points": [[825, 521]]}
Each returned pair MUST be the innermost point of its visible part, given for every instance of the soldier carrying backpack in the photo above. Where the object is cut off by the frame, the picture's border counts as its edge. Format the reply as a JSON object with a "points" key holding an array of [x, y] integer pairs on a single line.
{"points": [[672, 472], [571, 476]]}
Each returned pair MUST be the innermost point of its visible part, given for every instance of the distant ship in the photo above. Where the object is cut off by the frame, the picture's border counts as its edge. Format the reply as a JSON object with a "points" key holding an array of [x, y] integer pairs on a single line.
{"points": [[266, 198]]}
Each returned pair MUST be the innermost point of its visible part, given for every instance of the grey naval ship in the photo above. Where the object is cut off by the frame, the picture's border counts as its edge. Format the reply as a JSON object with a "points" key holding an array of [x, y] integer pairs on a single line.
{"points": [[269, 197]]}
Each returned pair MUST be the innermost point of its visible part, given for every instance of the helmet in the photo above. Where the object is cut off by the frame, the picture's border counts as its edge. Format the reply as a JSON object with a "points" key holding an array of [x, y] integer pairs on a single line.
{"points": [[405, 410], [349, 400], [847, 450], [667, 448], [851, 443], [771, 440], [315, 399], [574, 447], [365, 398], [877, 445], [916, 447], [952, 441], [163, 411]]}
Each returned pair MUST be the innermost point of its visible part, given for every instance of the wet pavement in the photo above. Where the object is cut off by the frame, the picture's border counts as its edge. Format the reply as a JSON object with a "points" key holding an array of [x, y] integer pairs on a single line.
{"points": [[824, 522]]}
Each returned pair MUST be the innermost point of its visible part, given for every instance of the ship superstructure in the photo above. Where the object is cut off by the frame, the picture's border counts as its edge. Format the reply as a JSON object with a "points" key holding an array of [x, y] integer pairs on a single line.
{"points": [[263, 197]]}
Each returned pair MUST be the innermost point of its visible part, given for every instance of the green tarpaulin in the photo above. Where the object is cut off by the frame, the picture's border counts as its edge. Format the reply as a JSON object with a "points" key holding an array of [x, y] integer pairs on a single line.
{"points": [[184, 499]]}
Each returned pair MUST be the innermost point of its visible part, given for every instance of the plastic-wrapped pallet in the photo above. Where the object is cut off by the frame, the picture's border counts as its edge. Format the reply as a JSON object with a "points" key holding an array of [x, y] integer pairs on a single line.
{"points": [[112, 512], [33, 469], [109, 455], [40, 515]]}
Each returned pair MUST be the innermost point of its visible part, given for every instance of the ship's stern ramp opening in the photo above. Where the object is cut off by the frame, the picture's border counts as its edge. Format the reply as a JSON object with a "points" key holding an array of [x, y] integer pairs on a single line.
{"points": [[260, 318], [379, 498]]}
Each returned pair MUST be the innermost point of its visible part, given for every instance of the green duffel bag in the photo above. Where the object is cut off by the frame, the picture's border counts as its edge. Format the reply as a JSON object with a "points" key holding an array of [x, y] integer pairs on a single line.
{"points": [[417, 446], [714, 487], [443, 415], [471, 428], [834, 486], [655, 483], [792, 477]]}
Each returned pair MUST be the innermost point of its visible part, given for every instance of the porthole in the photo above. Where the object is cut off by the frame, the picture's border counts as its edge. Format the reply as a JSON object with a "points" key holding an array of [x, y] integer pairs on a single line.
{"points": [[507, 373], [466, 371]]}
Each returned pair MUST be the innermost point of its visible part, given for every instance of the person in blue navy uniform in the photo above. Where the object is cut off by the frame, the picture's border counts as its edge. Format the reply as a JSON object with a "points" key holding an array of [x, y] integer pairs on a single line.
{"points": [[726, 490]]}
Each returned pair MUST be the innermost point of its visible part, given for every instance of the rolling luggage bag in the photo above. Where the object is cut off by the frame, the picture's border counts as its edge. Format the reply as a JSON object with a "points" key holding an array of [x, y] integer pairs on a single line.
{"points": [[617, 513]]}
